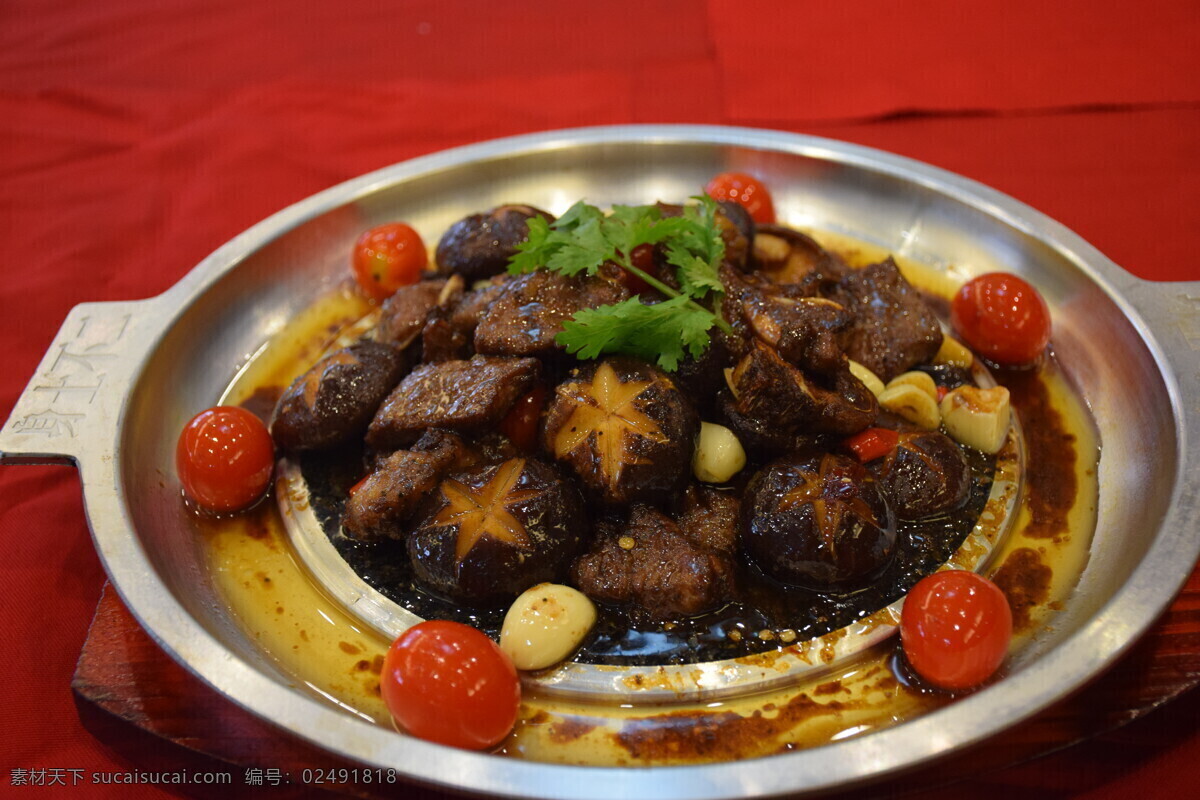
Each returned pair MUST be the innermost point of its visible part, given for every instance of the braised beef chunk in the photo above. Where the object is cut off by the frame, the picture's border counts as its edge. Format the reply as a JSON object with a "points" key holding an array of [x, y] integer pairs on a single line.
{"points": [[650, 563], [710, 518], [925, 474], [467, 396], [333, 402], [737, 231], [803, 330], [480, 245], [892, 328], [494, 530], [449, 331], [384, 502], [779, 396], [529, 313], [403, 315]]}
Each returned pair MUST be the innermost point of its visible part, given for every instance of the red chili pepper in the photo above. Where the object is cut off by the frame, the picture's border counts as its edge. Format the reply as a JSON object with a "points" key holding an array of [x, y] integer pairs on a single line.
{"points": [[942, 392], [354, 489], [872, 443], [521, 423]]}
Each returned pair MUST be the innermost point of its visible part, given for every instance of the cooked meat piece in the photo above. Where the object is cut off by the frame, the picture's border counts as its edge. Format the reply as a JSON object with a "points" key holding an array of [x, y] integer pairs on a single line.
{"points": [[892, 329], [449, 331], [925, 474], [625, 429], [403, 315], [779, 396], [529, 313], [480, 245], [458, 395], [821, 522], [787, 256], [494, 530], [382, 504], [710, 518], [802, 330], [651, 563], [737, 230], [757, 436], [702, 378], [334, 401]]}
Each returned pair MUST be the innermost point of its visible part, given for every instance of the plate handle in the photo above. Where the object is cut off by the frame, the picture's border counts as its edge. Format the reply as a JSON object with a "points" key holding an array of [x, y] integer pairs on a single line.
{"points": [[76, 394]]}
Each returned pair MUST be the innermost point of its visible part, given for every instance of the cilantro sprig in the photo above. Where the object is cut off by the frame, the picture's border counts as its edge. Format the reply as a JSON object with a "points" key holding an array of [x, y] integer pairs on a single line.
{"points": [[584, 238]]}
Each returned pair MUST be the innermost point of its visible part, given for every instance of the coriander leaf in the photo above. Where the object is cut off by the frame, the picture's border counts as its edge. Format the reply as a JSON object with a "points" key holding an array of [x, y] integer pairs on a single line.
{"points": [[582, 249], [535, 251], [697, 277], [578, 215], [659, 332]]}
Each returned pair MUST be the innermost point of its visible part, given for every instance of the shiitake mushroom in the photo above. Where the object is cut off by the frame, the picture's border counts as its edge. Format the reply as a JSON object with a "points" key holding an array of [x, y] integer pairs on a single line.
{"points": [[333, 402], [925, 474], [492, 531], [820, 522], [479, 246], [625, 429]]}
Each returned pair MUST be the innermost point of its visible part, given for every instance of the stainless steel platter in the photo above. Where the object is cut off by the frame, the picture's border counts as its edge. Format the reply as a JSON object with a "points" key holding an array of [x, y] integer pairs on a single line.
{"points": [[121, 379]]}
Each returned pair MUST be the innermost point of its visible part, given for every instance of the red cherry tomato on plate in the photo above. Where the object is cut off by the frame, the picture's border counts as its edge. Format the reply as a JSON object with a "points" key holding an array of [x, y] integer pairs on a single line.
{"points": [[747, 191], [449, 683], [224, 458], [1003, 318], [955, 628], [388, 257]]}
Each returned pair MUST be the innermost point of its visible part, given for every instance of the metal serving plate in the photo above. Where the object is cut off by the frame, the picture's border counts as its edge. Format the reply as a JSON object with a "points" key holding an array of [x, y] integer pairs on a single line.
{"points": [[137, 371]]}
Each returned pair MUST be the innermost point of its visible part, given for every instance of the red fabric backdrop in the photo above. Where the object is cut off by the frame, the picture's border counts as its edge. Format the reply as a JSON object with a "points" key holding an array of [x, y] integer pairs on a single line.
{"points": [[137, 136]]}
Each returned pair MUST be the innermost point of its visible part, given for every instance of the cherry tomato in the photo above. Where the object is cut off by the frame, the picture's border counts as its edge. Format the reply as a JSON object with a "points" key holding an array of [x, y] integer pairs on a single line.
{"points": [[747, 191], [224, 458], [520, 425], [388, 257], [1002, 318], [872, 443], [955, 628], [449, 683]]}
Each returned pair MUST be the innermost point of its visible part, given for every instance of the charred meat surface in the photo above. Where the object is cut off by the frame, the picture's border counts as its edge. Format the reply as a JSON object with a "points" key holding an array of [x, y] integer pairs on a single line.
{"points": [[820, 522], [625, 429], [779, 396], [382, 504], [892, 330], [925, 474], [463, 396], [449, 332], [650, 563], [333, 402], [495, 530], [479, 246], [404, 314], [803, 330], [530, 312]]}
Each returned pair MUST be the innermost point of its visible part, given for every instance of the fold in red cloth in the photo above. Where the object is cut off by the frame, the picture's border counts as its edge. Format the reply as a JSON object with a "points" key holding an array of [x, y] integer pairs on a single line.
{"points": [[808, 61]]}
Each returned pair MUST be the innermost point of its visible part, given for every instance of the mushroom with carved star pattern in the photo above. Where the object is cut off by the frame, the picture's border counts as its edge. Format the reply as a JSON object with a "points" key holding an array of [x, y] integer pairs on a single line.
{"points": [[625, 429], [493, 530], [821, 522]]}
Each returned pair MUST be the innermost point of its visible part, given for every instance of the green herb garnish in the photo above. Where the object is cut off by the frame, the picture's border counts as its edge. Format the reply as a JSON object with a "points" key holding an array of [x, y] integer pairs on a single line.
{"points": [[584, 238]]}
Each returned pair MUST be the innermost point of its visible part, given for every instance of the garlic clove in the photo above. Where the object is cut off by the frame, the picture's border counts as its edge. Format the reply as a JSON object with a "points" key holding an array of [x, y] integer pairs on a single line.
{"points": [[921, 380], [869, 378], [719, 454], [913, 404], [545, 624], [977, 418]]}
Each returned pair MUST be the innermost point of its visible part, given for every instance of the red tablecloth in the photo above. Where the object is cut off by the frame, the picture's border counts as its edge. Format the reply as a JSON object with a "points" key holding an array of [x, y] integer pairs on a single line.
{"points": [[137, 136]]}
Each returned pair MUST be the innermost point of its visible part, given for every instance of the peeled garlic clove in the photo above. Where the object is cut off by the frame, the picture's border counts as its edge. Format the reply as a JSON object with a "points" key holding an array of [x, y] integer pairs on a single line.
{"points": [[977, 417], [921, 380], [545, 625], [719, 454], [914, 404], [954, 353], [869, 379]]}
